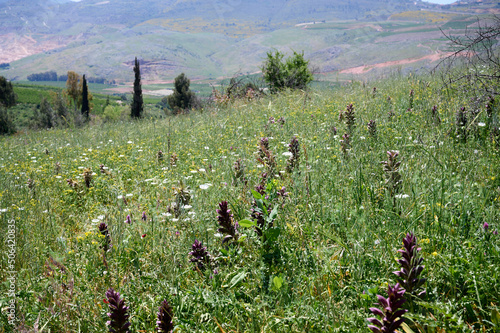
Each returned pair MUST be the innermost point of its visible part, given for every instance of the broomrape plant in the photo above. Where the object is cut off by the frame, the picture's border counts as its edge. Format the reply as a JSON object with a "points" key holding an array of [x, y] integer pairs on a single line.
{"points": [[410, 266], [165, 317], [293, 161], [389, 312], [392, 177], [118, 315], [227, 225]]}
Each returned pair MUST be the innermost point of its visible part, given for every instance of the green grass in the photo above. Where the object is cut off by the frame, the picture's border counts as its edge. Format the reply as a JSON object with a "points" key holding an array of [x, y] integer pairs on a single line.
{"points": [[337, 231]]}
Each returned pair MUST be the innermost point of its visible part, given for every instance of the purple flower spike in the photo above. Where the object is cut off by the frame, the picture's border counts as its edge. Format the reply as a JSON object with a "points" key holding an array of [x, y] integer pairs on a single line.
{"points": [[118, 313], [391, 317], [226, 223], [486, 226], [103, 229], [410, 266], [294, 149], [200, 256], [128, 220], [144, 216], [165, 315]]}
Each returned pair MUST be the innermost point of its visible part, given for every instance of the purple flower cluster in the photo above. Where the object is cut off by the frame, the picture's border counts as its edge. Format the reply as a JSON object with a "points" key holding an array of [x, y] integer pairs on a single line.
{"points": [[200, 256], [294, 149], [165, 316], [103, 229], [227, 225], [118, 315], [390, 314], [410, 266]]}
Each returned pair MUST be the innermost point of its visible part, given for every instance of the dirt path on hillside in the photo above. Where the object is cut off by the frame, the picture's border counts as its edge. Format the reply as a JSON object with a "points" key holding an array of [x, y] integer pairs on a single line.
{"points": [[364, 69]]}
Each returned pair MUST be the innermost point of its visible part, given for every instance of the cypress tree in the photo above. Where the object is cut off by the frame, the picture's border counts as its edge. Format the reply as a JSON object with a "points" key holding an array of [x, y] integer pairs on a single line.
{"points": [[85, 99], [137, 104]]}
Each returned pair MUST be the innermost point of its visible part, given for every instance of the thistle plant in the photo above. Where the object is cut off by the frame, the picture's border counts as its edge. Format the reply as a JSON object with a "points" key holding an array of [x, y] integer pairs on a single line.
{"points": [[103, 229], [87, 176], [293, 161], [392, 176], [410, 266], [165, 317], [372, 128], [200, 256], [390, 314], [226, 222], [118, 315]]}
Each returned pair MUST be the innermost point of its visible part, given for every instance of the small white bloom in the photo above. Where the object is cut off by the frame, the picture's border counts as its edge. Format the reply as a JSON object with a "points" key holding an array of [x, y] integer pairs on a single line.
{"points": [[201, 170], [191, 213], [194, 171], [121, 156], [287, 153], [129, 194], [95, 220], [481, 124], [207, 148], [362, 137], [205, 186], [187, 206], [402, 196], [175, 220], [100, 217], [120, 197], [3, 210], [129, 142], [166, 214]]}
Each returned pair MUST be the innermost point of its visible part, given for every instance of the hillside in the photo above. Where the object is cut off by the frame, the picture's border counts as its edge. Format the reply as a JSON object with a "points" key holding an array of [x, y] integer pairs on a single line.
{"points": [[209, 40]]}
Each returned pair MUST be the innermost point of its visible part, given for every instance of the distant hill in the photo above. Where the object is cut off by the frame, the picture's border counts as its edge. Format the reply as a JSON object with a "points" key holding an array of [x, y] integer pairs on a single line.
{"points": [[211, 39]]}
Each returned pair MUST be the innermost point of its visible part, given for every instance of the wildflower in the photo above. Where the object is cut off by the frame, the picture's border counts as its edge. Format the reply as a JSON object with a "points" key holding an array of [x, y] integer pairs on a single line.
{"points": [[118, 313], [345, 143], [294, 149], [391, 316], [410, 265], [461, 124], [350, 117], [87, 176], [200, 256], [372, 128], [165, 316], [391, 168], [103, 228], [486, 226], [227, 225], [128, 220], [144, 217], [159, 156]]}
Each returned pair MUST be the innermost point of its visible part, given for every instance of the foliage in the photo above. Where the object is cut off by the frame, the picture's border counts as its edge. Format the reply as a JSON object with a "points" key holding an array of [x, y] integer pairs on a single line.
{"points": [[294, 73], [7, 125], [85, 99], [73, 89], [182, 99], [137, 107], [7, 95], [329, 233]]}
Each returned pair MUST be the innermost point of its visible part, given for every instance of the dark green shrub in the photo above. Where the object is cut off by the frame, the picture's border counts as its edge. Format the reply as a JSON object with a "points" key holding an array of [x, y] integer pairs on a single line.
{"points": [[182, 99], [294, 73]]}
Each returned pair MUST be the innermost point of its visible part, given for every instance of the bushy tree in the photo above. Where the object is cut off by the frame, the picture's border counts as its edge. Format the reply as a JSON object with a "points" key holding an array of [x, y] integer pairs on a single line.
{"points": [[44, 115], [6, 124], [7, 99], [293, 73], [73, 89], [137, 106], [182, 99], [85, 99], [7, 95]]}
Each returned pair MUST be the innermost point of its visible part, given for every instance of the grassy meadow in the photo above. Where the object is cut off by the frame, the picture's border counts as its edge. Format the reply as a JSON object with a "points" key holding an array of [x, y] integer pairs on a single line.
{"points": [[334, 224]]}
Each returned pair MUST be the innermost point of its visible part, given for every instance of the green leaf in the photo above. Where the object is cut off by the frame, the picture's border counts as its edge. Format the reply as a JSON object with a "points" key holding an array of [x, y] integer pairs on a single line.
{"points": [[256, 195], [237, 279], [495, 317], [245, 223], [272, 234], [273, 214], [277, 282]]}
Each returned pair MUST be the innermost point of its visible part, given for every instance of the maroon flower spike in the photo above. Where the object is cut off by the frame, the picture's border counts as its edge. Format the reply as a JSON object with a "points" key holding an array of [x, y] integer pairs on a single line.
{"points": [[391, 317], [118, 316], [294, 149], [103, 229], [410, 266], [200, 255], [165, 315], [227, 226]]}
